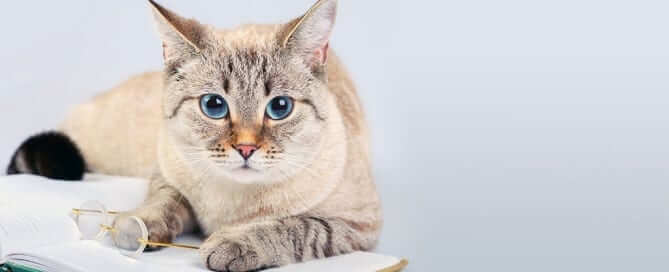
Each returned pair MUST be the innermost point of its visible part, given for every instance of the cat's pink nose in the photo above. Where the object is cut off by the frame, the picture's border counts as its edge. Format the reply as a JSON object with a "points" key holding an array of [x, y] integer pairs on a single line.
{"points": [[246, 150]]}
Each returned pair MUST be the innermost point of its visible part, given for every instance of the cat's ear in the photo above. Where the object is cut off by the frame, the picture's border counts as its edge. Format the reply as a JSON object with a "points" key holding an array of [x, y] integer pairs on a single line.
{"points": [[181, 37], [309, 35]]}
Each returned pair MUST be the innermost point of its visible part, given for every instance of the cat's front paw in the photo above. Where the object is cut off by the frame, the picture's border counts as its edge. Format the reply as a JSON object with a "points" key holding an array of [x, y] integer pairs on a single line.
{"points": [[127, 227], [230, 254]]}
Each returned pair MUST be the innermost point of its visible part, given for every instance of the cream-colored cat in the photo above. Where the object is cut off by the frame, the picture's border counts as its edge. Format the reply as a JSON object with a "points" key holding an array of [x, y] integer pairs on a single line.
{"points": [[253, 134]]}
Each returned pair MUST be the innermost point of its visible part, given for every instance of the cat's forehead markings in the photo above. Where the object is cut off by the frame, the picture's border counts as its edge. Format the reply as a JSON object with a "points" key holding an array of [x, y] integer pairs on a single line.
{"points": [[186, 66], [249, 36], [268, 80], [226, 85], [230, 66], [268, 87]]}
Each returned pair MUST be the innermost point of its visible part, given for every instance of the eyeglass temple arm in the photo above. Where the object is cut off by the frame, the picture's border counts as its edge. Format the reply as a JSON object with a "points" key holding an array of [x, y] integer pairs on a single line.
{"points": [[109, 228], [166, 244], [149, 243], [80, 211]]}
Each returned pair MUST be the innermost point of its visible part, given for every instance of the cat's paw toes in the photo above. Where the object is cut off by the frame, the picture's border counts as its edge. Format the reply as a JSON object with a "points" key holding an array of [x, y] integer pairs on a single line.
{"points": [[232, 256], [159, 232]]}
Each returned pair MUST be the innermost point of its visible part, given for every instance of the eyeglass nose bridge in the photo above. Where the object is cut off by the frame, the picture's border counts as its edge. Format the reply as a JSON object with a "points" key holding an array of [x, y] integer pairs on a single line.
{"points": [[107, 228]]}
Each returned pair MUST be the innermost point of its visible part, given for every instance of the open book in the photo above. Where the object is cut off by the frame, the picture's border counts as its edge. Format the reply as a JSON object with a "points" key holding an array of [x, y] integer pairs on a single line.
{"points": [[37, 231]]}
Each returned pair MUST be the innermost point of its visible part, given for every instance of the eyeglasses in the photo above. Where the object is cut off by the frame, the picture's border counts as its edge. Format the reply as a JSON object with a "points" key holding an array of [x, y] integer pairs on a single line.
{"points": [[95, 222]]}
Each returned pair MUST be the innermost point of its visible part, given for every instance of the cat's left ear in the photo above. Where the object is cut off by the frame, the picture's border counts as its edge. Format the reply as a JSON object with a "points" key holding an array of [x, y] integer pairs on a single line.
{"points": [[309, 35], [182, 38]]}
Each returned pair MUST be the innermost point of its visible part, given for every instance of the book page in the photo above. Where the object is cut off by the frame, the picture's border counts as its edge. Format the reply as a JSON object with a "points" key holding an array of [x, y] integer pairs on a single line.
{"points": [[50, 196], [354, 262], [96, 256], [21, 230], [35, 211]]}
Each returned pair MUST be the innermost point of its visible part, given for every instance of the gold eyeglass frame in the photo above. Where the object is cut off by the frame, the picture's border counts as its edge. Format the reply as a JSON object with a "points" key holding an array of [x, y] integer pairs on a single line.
{"points": [[104, 229]]}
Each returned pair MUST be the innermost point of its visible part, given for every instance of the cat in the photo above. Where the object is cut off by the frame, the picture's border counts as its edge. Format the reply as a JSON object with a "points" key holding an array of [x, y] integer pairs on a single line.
{"points": [[254, 136]]}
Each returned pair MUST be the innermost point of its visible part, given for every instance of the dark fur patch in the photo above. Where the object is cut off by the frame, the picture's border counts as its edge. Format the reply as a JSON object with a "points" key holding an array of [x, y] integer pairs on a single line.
{"points": [[268, 87], [311, 103], [178, 107], [328, 250], [51, 154], [226, 85]]}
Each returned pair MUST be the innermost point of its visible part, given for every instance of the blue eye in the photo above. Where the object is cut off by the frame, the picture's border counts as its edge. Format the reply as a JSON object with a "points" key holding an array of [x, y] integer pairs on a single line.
{"points": [[280, 107], [214, 106]]}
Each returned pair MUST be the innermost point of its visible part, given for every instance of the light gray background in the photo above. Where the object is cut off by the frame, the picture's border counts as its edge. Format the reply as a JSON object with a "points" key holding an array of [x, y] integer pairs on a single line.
{"points": [[508, 135]]}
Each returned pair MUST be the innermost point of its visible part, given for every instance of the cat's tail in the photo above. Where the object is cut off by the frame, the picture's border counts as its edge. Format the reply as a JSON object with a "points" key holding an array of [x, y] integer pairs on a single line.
{"points": [[50, 154]]}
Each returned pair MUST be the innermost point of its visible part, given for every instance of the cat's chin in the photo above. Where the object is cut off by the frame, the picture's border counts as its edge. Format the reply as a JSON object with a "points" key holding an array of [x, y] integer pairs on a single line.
{"points": [[248, 175]]}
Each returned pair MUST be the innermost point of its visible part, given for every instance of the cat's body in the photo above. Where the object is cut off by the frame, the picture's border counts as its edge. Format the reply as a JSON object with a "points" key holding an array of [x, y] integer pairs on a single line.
{"points": [[266, 191], [128, 119]]}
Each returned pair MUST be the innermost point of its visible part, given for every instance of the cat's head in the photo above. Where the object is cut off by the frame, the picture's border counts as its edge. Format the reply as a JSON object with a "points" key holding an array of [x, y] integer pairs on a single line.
{"points": [[251, 103]]}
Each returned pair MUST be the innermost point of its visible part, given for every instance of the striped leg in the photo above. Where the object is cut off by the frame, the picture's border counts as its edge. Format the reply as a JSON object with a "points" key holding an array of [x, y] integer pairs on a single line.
{"points": [[165, 212], [286, 241]]}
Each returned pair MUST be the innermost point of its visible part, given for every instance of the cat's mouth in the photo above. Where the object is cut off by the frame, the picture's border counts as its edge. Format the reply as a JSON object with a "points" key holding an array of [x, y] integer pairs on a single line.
{"points": [[247, 174], [246, 167]]}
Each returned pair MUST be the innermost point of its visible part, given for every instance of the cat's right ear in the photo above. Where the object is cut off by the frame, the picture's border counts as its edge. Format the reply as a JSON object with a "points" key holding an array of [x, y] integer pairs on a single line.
{"points": [[309, 36], [182, 38]]}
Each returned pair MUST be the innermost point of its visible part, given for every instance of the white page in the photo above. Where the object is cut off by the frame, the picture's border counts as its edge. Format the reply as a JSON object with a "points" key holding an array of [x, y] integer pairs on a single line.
{"points": [[41, 194], [95, 256], [87, 256], [35, 211], [354, 262], [20, 230]]}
